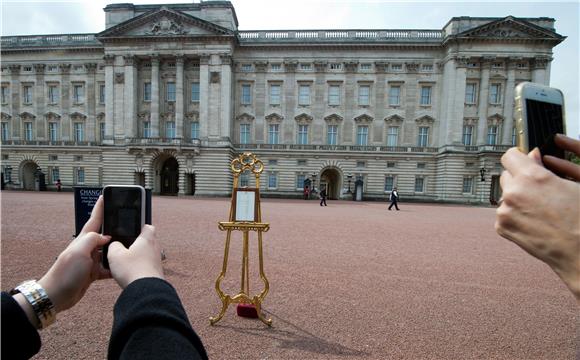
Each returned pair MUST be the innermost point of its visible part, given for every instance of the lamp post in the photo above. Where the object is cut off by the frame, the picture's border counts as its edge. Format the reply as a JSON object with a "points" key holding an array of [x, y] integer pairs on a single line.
{"points": [[482, 173], [313, 178], [349, 178], [8, 170]]}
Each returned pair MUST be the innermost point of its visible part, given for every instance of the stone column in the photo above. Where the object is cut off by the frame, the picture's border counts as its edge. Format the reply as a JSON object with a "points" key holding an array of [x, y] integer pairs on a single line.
{"points": [[39, 102], [456, 130], [15, 100], [540, 65], [483, 102], [130, 96], [91, 103], [447, 98], [227, 97], [154, 118], [65, 121], [119, 99], [204, 96], [109, 99], [508, 104], [179, 96]]}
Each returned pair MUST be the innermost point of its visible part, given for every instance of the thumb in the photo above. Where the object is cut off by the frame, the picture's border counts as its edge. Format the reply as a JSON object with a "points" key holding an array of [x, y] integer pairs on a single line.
{"points": [[536, 156], [116, 249]]}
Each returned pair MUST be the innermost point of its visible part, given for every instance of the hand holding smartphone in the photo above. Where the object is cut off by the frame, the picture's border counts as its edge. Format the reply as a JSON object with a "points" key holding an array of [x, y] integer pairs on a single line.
{"points": [[539, 115], [124, 215]]}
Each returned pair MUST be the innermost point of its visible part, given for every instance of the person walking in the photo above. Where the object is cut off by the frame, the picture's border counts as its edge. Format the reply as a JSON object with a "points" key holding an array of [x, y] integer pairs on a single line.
{"points": [[323, 197], [394, 198], [306, 192]]}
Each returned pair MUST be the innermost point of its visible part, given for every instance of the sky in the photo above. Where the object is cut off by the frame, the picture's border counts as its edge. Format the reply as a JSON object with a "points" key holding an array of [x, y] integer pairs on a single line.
{"points": [[26, 17]]}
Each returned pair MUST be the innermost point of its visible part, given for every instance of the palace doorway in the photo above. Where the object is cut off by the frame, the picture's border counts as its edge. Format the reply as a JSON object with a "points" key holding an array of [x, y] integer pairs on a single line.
{"points": [[169, 177], [28, 173], [331, 180]]}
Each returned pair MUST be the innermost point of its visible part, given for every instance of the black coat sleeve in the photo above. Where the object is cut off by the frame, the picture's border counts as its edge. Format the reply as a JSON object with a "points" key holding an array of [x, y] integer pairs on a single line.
{"points": [[20, 339], [150, 323]]}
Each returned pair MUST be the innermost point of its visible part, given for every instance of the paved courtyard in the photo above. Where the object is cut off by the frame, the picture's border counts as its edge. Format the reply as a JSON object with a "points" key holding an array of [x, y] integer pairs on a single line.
{"points": [[349, 281]]}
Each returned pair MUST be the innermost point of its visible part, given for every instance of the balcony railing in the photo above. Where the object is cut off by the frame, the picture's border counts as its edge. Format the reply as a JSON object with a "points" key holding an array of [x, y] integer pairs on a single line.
{"points": [[163, 141], [8, 42], [49, 143], [340, 148], [340, 35]]}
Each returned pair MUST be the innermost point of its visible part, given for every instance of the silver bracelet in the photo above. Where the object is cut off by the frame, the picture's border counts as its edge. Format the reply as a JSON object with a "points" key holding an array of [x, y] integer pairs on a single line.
{"points": [[41, 305]]}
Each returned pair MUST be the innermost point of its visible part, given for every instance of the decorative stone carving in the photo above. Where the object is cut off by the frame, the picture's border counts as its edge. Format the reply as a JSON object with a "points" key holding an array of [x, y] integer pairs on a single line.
{"points": [[39, 68], [248, 117], [77, 116], [27, 116], [541, 62], [119, 78], [261, 66], [320, 66], [495, 119], [14, 69], [204, 59], [425, 120], [52, 116], [166, 27], [109, 59], [214, 77], [144, 116], [303, 119], [65, 68], [471, 121], [226, 59], [381, 66], [91, 67], [412, 67], [129, 60], [364, 118], [351, 66], [462, 61], [290, 65], [179, 59], [192, 116], [168, 116], [394, 119], [101, 117], [155, 60], [274, 117], [5, 116], [333, 119]]}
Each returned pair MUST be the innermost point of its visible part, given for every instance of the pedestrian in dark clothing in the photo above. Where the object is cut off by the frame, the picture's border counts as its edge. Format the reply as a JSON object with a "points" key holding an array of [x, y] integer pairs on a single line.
{"points": [[58, 185], [394, 199], [306, 192], [323, 197]]}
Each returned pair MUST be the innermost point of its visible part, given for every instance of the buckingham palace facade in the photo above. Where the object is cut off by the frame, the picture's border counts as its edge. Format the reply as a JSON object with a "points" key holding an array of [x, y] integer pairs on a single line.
{"points": [[167, 95]]}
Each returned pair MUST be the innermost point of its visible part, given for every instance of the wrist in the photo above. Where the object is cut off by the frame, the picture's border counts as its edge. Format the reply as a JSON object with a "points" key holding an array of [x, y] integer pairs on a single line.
{"points": [[35, 303]]}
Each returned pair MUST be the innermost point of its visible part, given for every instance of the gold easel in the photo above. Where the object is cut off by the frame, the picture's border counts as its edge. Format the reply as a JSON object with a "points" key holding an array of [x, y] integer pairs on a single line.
{"points": [[244, 219]]}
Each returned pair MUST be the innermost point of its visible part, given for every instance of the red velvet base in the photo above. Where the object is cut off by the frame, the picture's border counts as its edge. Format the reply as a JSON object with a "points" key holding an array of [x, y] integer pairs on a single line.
{"points": [[247, 310]]}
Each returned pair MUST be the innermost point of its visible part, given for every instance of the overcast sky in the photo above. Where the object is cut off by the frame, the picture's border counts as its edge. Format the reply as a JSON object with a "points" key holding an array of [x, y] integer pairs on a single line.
{"points": [[25, 17]]}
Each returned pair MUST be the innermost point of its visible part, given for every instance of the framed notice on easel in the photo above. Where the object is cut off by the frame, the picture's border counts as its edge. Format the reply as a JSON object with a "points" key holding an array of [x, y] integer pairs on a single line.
{"points": [[245, 204]]}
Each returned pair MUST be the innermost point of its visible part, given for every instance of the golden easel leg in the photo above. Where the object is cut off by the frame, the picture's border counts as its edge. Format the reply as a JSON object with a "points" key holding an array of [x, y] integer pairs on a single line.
{"points": [[258, 304], [262, 274], [223, 297], [245, 288]]}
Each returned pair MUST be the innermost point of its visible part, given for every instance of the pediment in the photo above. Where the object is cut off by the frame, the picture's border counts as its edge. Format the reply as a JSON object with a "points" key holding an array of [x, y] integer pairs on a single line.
{"points": [[394, 119], [363, 118], [303, 118], [274, 117], [245, 116], [5, 116], [511, 28], [78, 116], [425, 119], [164, 22], [51, 115], [333, 118], [26, 115]]}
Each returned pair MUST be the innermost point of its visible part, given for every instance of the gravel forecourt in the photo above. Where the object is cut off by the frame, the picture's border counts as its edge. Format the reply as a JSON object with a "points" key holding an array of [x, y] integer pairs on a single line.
{"points": [[347, 281]]}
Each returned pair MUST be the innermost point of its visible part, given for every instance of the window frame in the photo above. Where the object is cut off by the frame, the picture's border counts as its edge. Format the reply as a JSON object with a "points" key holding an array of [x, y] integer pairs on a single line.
{"points": [[423, 135], [273, 134], [390, 136], [360, 135], [426, 98], [332, 136]]}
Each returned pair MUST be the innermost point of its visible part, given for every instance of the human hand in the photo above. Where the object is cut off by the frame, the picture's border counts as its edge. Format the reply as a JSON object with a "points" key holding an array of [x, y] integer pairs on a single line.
{"points": [[540, 212], [141, 260], [78, 265], [562, 166]]}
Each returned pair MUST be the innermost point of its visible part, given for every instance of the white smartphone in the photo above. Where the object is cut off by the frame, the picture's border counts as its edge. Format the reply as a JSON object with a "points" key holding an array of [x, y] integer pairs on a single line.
{"points": [[539, 115], [124, 215]]}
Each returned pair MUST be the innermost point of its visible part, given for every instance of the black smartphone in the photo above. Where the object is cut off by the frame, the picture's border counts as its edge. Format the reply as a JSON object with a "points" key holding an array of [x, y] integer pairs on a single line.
{"points": [[124, 215], [539, 115]]}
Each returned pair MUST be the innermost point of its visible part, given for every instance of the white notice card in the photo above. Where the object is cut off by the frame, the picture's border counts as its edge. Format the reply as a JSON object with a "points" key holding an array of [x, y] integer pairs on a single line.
{"points": [[245, 205]]}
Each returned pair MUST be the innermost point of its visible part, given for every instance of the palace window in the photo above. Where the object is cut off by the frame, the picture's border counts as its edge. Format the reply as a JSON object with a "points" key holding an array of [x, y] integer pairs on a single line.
{"points": [[55, 174], [335, 66], [364, 92], [273, 133], [80, 175], [391, 164], [53, 94], [397, 67], [362, 135], [147, 91], [52, 157], [300, 178], [245, 134], [246, 94], [302, 134], [332, 134], [421, 165], [467, 135], [170, 95], [275, 90], [27, 68], [28, 131], [304, 95], [470, 93], [361, 164], [78, 158], [53, 131], [366, 67], [423, 136], [5, 94], [395, 95], [246, 67], [79, 132], [52, 68], [427, 67], [146, 129], [426, 95], [272, 162], [101, 93], [245, 178], [272, 180], [78, 94], [276, 67], [467, 185], [492, 135], [170, 129], [334, 95], [27, 94], [389, 183], [495, 94], [305, 67], [393, 136], [4, 131], [195, 92], [194, 133], [419, 184]]}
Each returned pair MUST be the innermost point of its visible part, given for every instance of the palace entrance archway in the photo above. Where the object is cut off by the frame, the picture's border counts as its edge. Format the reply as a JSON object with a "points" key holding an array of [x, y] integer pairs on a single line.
{"points": [[331, 179], [28, 172], [169, 177]]}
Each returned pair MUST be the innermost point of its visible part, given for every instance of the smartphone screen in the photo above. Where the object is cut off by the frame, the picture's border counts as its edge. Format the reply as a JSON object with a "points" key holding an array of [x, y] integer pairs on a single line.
{"points": [[544, 121], [123, 215]]}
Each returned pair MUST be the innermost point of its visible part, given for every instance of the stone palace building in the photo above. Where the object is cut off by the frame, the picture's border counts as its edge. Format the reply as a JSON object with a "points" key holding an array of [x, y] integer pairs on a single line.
{"points": [[167, 95]]}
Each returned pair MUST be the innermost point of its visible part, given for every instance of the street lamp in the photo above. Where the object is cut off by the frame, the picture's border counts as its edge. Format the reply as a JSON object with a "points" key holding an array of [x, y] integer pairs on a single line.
{"points": [[349, 178], [482, 173]]}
